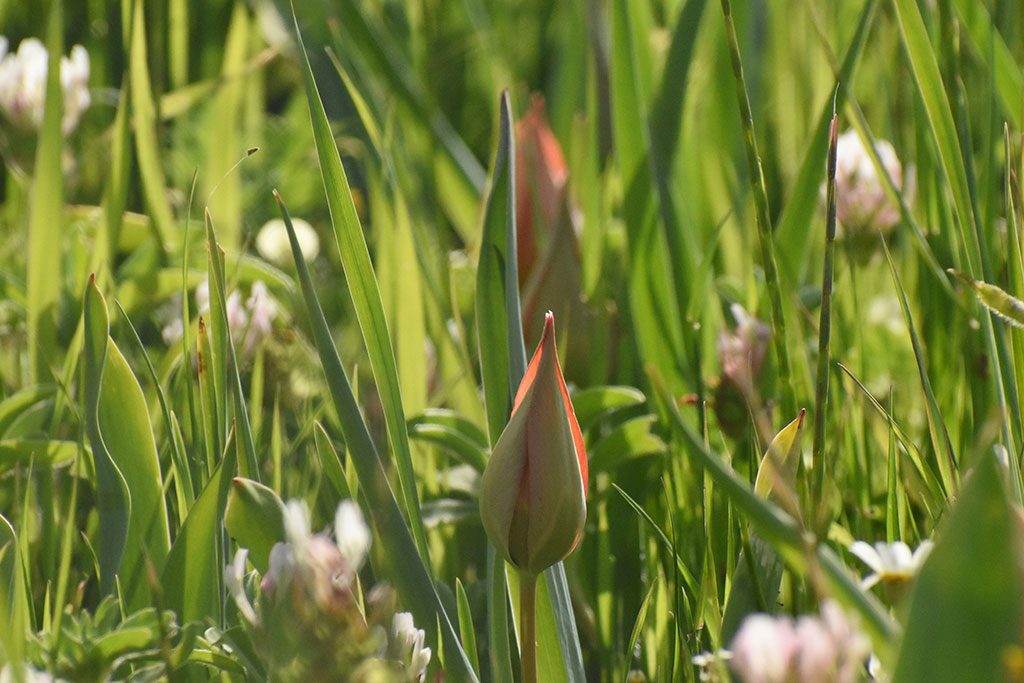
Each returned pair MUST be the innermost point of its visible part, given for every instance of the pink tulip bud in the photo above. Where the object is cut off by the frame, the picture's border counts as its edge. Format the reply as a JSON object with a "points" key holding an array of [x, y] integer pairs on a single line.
{"points": [[533, 493]]}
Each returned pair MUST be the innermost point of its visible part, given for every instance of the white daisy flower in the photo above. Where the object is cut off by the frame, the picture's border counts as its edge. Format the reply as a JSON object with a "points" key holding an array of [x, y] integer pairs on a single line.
{"points": [[892, 563]]}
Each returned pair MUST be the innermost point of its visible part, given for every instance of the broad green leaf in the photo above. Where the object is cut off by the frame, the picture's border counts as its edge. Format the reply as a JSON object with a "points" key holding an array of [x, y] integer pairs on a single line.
{"points": [[133, 513], [362, 287], [181, 465], [21, 402], [590, 405], [458, 436], [410, 575], [631, 439], [49, 452], [255, 519], [193, 577], [964, 612], [46, 220]]}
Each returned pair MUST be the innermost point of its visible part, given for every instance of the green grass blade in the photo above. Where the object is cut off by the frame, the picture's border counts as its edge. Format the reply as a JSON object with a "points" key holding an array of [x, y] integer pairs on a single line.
{"points": [[947, 462], [653, 300], [331, 462], [466, 629], [362, 287], [763, 216], [45, 231], [913, 452], [249, 465], [147, 147], [192, 577], [638, 624], [224, 128], [177, 39], [410, 574], [796, 546], [987, 41], [825, 319], [14, 607]]}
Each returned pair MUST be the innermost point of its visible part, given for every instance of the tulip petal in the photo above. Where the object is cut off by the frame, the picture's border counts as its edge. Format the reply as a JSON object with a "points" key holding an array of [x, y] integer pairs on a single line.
{"points": [[547, 344]]}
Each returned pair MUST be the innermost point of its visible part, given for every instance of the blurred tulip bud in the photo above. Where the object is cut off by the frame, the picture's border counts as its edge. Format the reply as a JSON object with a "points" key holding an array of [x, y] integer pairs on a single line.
{"points": [[533, 492], [541, 175]]}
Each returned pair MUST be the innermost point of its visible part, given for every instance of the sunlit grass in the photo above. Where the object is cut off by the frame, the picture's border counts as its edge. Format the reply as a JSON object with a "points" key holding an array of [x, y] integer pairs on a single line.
{"points": [[788, 374]]}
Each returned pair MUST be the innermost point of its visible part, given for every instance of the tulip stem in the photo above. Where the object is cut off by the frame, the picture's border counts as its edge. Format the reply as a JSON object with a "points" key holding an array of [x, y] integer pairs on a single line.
{"points": [[528, 626]]}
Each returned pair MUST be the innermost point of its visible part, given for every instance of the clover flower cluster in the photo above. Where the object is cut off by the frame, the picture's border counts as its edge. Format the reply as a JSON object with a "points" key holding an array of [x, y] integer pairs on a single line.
{"points": [[251, 320], [310, 617], [813, 649], [23, 84]]}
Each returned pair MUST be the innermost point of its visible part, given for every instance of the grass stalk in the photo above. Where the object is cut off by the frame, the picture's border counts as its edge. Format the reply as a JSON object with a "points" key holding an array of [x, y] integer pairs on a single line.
{"points": [[825, 319], [763, 216]]}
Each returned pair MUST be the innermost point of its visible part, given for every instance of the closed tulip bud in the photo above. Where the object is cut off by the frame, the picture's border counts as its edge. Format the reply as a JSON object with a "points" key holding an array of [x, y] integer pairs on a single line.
{"points": [[533, 493]]}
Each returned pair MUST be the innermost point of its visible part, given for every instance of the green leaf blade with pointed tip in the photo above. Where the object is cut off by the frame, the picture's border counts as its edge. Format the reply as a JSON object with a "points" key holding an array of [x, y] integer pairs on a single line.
{"points": [[366, 299], [192, 577], [964, 609]]}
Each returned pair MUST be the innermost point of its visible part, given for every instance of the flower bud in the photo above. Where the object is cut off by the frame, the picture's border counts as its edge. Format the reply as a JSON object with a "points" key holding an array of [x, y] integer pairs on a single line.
{"points": [[533, 492]]}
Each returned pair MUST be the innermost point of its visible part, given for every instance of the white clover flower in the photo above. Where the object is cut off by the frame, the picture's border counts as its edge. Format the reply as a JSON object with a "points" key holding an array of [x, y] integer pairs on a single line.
{"points": [[173, 331], [407, 646], [764, 649], [272, 241], [861, 202], [296, 522], [892, 563], [262, 308], [817, 649], [25, 674], [251, 320], [351, 533], [23, 84], [203, 296], [237, 315], [741, 354]]}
